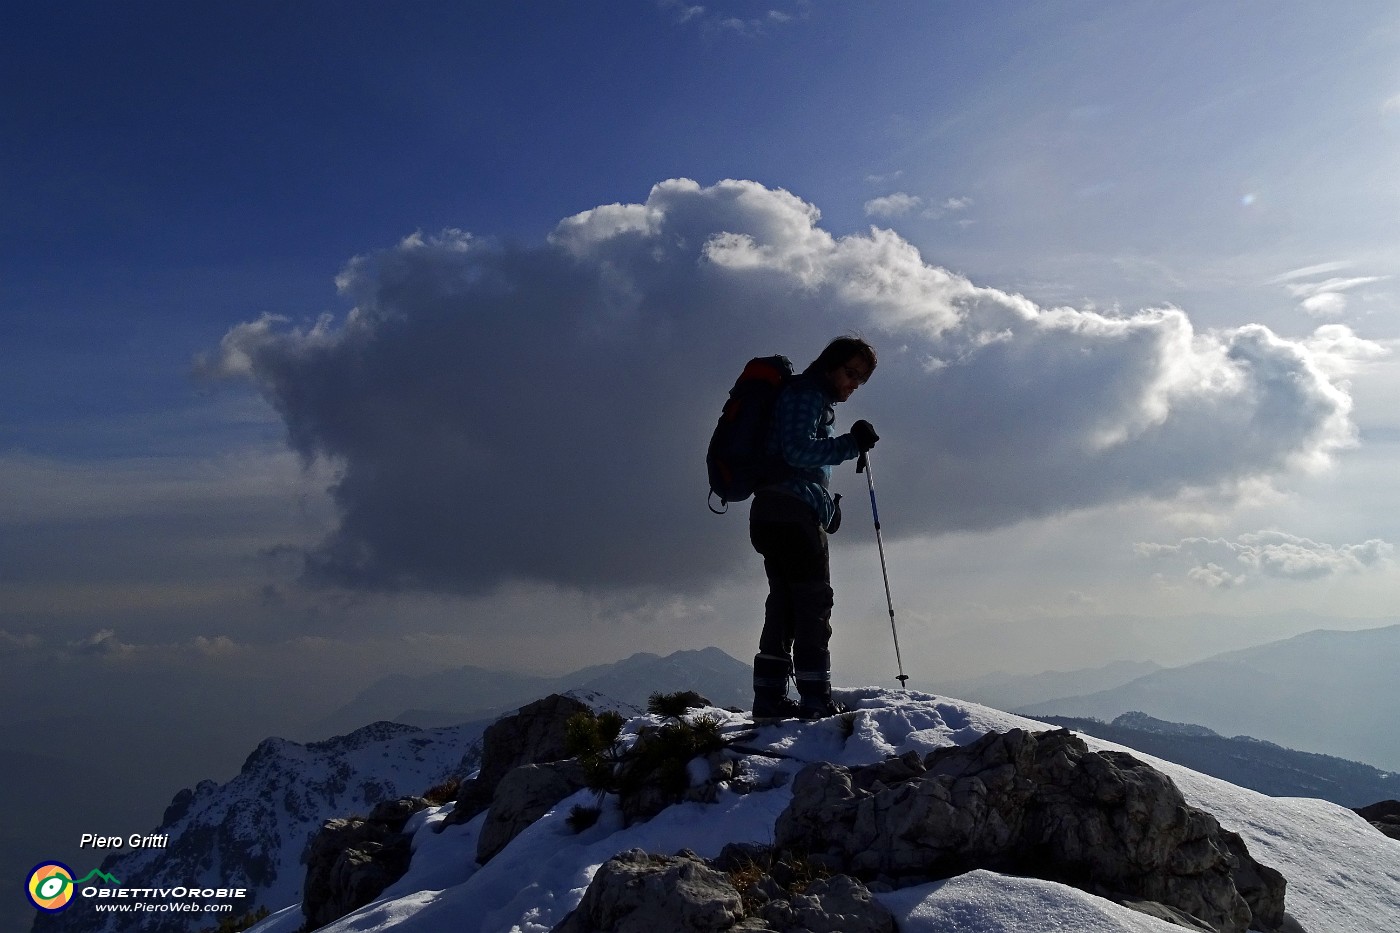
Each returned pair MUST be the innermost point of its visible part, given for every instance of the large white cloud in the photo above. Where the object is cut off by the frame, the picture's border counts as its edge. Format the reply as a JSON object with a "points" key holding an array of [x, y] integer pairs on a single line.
{"points": [[504, 412]]}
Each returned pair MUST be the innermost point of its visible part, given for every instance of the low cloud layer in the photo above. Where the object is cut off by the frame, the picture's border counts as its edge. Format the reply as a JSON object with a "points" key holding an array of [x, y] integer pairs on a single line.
{"points": [[500, 412], [1220, 564]]}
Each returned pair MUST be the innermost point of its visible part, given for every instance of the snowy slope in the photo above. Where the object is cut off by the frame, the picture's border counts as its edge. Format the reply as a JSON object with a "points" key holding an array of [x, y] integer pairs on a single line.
{"points": [[1343, 876]]}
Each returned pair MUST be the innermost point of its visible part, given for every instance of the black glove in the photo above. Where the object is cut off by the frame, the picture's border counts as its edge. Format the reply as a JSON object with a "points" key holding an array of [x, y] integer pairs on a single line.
{"points": [[864, 435], [835, 525]]}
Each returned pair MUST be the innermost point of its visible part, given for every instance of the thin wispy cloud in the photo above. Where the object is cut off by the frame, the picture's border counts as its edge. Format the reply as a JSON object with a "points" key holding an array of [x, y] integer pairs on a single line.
{"points": [[949, 206], [900, 203], [884, 179], [683, 12], [892, 205], [1326, 295], [1307, 272], [1311, 289], [11, 644], [744, 23], [104, 643]]}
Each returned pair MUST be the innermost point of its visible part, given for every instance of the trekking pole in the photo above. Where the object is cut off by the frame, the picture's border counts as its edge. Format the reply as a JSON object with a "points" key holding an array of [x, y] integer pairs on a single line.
{"points": [[863, 466]]}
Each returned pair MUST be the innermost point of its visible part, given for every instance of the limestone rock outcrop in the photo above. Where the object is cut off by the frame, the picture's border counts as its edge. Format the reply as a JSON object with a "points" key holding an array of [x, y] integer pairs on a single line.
{"points": [[636, 892], [522, 797], [534, 735], [1385, 816], [1038, 804], [351, 860]]}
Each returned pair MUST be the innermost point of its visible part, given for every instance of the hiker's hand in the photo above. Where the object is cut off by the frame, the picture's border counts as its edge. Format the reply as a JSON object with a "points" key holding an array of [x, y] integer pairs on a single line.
{"points": [[864, 435]]}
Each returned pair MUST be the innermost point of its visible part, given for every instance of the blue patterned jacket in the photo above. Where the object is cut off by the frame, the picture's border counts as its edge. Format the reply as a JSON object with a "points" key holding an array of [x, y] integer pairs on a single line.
{"points": [[803, 435]]}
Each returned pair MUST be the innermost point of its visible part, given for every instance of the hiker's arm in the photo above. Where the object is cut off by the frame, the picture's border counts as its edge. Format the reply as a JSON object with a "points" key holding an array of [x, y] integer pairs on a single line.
{"points": [[797, 421]]}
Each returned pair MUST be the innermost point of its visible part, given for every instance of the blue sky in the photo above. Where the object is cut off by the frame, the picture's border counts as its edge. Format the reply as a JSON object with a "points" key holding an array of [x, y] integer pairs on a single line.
{"points": [[943, 176], [174, 167]]}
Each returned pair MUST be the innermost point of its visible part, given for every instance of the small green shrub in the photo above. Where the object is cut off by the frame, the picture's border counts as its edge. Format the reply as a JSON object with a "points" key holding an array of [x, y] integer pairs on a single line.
{"points": [[789, 870], [588, 733], [443, 793], [661, 755], [581, 817], [593, 739], [658, 756], [675, 705]]}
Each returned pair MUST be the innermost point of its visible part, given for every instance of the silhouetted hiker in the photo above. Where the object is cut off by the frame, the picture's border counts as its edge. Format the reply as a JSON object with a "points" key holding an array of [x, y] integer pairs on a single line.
{"points": [[789, 522]]}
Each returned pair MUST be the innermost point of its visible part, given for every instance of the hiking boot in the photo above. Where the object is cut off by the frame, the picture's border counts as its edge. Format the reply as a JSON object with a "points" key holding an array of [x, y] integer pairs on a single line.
{"points": [[775, 706], [819, 707]]}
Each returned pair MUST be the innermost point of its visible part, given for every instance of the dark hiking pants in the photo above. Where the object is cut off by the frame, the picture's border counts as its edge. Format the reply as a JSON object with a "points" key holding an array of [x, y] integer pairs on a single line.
{"points": [[797, 615]]}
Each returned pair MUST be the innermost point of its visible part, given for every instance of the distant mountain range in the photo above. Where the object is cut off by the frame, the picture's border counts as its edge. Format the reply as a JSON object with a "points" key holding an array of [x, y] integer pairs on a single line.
{"points": [[469, 693], [1330, 692], [1013, 691], [1263, 766]]}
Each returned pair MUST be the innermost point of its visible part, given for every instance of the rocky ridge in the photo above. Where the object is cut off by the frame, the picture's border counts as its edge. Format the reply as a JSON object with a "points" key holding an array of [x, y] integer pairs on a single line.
{"points": [[1034, 804], [856, 825]]}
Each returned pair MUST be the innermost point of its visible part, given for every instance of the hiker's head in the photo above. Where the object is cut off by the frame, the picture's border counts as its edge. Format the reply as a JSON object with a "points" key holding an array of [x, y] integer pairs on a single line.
{"points": [[846, 364]]}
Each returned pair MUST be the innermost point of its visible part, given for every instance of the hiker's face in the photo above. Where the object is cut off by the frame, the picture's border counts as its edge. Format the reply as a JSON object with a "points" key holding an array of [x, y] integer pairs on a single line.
{"points": [[848, 377]]}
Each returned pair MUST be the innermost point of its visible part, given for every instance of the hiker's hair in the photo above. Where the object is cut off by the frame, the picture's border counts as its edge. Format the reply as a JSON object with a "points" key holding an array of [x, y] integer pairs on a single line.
{"points": [[840, 351]]}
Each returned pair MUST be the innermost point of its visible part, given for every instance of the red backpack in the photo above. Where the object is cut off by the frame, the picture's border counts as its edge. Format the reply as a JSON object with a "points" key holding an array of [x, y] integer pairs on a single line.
{"points": [[737, 459]]}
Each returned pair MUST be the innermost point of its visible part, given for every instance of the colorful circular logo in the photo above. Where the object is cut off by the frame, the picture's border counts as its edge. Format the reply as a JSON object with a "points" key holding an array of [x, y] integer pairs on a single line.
{"points": [[51, 886]]}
